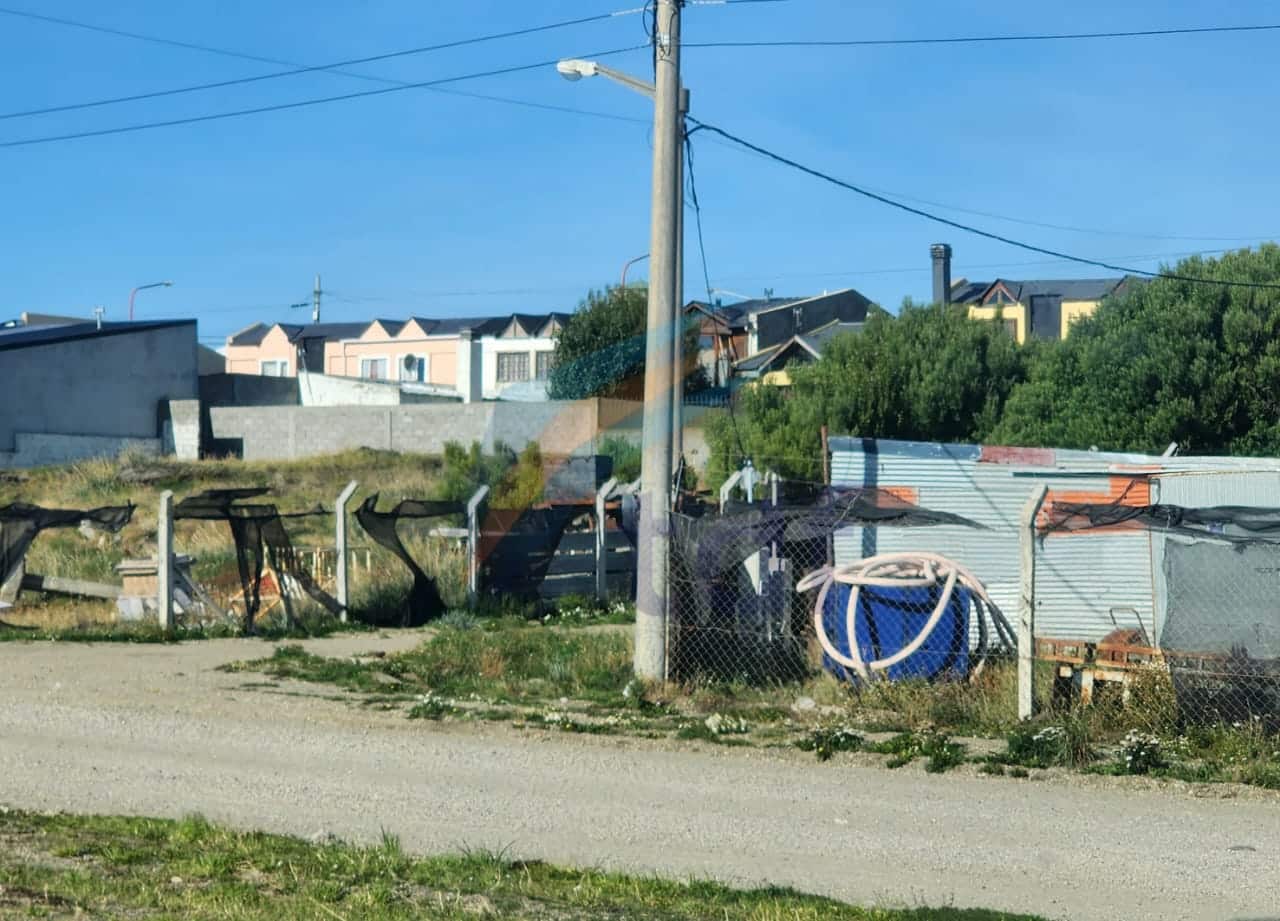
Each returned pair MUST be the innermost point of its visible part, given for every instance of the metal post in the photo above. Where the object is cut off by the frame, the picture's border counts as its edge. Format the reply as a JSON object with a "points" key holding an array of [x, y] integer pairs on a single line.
{"points": [[315, 302], [164, 562], [1027, 604], [340, 547], [473, 545], [602, 540], [654, 551]]}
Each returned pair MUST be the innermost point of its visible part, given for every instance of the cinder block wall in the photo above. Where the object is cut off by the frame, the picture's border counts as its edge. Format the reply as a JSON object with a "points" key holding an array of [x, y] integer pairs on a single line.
{"points": [[288, 432]]}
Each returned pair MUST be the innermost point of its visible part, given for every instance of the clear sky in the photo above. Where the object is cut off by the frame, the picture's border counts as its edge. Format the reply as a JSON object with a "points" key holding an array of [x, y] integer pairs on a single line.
{"points": [[420, 203]]}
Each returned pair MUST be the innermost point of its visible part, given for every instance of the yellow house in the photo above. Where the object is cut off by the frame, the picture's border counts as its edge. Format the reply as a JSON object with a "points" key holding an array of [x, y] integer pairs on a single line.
{"points": [[1041, 309]]}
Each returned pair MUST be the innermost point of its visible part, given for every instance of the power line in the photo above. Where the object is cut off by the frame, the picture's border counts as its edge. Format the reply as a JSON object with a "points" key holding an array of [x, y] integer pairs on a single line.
{"points": [[239, 81], [967, 228], [697, 210], [980, 39], [304, 103], [389, 81]]}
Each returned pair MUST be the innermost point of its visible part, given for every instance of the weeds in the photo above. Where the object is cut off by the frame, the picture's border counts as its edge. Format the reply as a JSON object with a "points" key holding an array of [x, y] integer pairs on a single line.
{"points": [[826, 741], [940, 752]]}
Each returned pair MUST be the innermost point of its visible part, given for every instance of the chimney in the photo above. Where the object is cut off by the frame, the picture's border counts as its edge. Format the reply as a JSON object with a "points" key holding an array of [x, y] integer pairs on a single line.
{"points": [[941, 254]]}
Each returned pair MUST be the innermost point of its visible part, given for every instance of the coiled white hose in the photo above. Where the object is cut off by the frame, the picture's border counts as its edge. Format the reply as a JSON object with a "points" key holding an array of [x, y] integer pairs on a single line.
{"points": [[901, 571]]}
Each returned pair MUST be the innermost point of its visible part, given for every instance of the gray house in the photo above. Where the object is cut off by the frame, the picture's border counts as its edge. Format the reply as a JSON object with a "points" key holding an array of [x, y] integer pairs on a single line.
{"points": [[74, 390]]}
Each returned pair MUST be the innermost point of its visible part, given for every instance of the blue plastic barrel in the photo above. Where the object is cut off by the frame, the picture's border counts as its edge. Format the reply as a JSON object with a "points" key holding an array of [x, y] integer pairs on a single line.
{"points": [[889, 619]]}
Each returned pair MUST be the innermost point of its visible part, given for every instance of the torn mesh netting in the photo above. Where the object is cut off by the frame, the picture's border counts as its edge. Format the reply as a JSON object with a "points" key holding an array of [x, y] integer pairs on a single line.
{"points": [[20, 523], [1234, 523], [424, 602], [260, 539]]}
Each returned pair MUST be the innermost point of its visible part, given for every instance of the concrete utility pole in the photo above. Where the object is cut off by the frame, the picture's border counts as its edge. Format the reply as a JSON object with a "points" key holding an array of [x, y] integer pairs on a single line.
{"points": [[677, 377], [315, 302], [652, 589]]}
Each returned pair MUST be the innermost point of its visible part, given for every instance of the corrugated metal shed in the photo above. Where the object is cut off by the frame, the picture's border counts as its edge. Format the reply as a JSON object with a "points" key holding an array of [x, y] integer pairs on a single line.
{"points": [[1087, 584]]}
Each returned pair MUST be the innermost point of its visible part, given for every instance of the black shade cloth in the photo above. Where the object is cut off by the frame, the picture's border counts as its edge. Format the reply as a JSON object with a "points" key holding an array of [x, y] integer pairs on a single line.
{"points": [[518, 545], [20, 523], [1235, 523], [721, 622], [424, 602], [260, 539]]}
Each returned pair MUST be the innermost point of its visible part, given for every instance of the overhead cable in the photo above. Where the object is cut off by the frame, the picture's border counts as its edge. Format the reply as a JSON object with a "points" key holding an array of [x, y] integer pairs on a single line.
{"points": [[967, 228], [303, 103]]}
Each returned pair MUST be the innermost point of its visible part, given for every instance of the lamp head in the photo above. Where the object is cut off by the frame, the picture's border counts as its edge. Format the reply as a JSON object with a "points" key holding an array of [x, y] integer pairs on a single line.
{"points": [[573, 69]]}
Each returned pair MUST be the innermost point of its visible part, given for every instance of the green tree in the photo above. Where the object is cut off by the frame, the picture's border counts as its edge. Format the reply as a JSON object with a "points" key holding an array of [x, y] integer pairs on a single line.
{"points": [[1167, 361], [602, 345], [928, 374]]}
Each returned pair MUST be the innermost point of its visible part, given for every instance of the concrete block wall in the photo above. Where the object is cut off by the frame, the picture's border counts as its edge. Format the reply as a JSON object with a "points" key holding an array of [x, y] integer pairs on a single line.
{"points": [[286, 432]]}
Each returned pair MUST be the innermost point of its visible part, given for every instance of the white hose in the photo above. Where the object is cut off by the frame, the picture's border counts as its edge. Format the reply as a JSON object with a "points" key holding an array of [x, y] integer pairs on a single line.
{"points": [[900, 571]]}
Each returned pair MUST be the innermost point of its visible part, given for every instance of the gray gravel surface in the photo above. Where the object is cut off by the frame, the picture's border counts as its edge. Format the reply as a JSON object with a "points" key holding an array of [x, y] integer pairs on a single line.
{"points": [[156, 730]]}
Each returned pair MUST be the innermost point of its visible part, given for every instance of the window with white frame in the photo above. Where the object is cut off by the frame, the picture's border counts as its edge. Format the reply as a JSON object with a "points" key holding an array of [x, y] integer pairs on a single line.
{"points": [[545, 362], [373, 369], [513, 367], [278, 368], [415, 369]]}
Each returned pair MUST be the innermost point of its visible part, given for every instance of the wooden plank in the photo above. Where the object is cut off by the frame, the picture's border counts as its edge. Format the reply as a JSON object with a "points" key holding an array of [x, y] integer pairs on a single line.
{"points": [[59, 586], [577, 543], [568, 585], [1027, 602], [576, 564]]}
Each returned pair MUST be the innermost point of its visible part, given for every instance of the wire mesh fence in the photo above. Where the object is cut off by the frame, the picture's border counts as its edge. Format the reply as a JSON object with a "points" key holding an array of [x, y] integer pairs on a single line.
{"points": [[846, 584]]}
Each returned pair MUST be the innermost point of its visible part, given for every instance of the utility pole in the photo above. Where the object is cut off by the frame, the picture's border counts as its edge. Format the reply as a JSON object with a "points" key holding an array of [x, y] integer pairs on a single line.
{"points": [[652, 575], [677, 377], [315, 301]]}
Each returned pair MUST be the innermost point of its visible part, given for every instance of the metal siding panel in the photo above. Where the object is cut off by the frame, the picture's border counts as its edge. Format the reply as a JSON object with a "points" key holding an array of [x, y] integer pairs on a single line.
{"points": [[1088, 584], [1205, 489]]}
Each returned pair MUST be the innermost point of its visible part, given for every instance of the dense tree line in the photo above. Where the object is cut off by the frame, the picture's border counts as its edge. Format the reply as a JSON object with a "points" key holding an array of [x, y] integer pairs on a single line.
{"points": [[1167, 361]]}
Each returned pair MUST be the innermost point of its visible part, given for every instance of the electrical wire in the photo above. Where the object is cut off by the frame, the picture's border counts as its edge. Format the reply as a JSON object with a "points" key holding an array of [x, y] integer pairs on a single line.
{"points": [[303, 103], [968, 228], [981, 39], [239, 81], [389, 81], [697, 211]]}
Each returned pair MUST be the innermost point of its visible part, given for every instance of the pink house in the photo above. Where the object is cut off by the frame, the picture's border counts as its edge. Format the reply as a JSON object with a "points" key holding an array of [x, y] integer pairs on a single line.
{"points": [[478, 357]]}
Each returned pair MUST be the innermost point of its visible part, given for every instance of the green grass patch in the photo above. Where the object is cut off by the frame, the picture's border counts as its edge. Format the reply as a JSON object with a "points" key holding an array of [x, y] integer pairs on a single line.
{"points": [[66, 866], [940, 753]]}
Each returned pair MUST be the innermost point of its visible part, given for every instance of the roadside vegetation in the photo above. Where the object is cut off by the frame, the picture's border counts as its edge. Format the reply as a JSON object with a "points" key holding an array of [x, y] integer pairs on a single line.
{"points": [[571, 672], [60, 866]]}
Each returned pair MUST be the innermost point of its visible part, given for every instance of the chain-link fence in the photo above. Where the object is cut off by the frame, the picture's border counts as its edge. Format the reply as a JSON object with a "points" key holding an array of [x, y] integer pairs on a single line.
{"points": [[861, 588], [1178, 625]]}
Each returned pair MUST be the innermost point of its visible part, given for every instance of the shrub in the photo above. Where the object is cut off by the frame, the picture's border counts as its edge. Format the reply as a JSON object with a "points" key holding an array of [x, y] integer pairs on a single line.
{"points": [[825, 741], [1141, 753]]}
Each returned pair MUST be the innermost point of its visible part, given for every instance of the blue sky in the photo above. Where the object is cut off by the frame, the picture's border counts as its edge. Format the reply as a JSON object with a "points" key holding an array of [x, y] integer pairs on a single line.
{"points": [[429, 204]]}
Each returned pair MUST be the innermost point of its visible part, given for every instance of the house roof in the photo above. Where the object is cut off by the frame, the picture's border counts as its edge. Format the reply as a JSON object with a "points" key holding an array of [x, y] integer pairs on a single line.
{"points": [[20, 337], [812, 342], [326, 331], [250, 335], [1069, 289], [735, 315]]}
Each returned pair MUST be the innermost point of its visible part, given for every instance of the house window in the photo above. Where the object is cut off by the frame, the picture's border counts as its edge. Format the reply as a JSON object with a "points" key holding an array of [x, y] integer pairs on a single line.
{"points": [[546, 361], [513, 367], [374, 369], [275, 368], [414, 369]]}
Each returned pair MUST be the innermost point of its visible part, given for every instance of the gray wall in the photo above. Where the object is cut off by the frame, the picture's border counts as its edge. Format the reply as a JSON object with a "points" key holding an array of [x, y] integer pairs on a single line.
{"points": [[248, 390], [106, 386], [286, 432]]}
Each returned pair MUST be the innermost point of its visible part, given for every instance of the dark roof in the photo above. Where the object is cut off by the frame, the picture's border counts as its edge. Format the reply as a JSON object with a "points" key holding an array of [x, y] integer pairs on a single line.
{"points": [[818, 338], [20, 337], [252, 335], [734, 315], [1069, 289], [326, 331], [812, 342], [392, 327]]}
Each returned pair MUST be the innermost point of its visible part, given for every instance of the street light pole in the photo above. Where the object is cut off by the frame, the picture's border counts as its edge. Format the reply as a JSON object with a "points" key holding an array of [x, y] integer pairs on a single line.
{"points": [[652, 574], [626, 267], [134, 293]]}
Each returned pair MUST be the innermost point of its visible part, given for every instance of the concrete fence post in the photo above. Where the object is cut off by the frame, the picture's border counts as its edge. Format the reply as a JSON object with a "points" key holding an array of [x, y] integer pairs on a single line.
{"points": [[1027, 603], [164, 562], [340, 548], [474, 512], [602, 540]]}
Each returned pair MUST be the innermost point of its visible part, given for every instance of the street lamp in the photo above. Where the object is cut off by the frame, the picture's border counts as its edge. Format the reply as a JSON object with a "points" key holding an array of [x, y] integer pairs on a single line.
{"points": [[573, 70], [661, 324], [627, 267], [134, 293]]}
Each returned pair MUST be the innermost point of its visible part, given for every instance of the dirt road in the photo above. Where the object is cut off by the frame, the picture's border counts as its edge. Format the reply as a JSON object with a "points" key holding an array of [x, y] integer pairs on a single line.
{"points": [[155, 730]]}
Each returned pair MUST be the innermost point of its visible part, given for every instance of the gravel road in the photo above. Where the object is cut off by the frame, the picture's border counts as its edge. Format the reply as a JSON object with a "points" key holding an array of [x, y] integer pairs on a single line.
{"points": [[155, 730]]}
